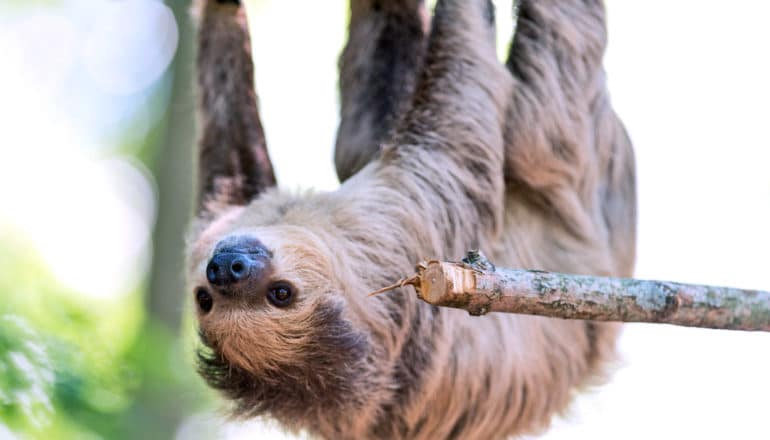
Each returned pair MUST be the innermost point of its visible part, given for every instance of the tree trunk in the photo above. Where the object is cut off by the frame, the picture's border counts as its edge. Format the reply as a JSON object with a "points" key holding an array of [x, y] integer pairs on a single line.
{"points": [[174, 174]]}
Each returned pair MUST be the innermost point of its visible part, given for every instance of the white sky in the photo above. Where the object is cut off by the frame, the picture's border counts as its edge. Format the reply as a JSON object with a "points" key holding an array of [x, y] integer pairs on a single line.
{"points": [[689, 79]]}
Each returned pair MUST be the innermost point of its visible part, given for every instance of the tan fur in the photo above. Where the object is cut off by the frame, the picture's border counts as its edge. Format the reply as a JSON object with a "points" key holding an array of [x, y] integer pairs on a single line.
{"points": [[566, 150], [343, 365]]}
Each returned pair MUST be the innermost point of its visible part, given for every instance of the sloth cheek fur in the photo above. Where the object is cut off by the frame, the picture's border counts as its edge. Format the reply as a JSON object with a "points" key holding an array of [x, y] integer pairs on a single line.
{"points": [[290, 365]]}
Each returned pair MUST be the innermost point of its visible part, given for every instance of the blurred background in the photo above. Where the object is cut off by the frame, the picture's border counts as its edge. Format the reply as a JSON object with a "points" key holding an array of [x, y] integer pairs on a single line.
{"points": [[96, 142]]}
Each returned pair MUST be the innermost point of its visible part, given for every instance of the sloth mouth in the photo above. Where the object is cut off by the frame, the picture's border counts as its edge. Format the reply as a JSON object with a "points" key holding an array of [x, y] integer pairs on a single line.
{"points": [[325, 371]]}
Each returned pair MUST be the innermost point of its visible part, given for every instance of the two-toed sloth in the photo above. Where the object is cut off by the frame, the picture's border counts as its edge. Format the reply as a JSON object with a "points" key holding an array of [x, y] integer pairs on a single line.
{"points": [[441, 149]]}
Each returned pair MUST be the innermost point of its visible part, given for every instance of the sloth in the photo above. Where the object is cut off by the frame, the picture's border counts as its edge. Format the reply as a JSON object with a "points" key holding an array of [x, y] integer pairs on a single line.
{"points": [[441, 148]]}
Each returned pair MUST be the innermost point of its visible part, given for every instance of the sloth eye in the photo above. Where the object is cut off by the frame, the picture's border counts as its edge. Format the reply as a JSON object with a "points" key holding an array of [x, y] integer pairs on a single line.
{"points": [[280, 293], [205, 302]]}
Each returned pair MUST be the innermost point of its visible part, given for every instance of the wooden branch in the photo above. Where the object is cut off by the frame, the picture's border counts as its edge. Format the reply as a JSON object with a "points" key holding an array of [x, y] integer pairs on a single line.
{"points": [[477, 286]]}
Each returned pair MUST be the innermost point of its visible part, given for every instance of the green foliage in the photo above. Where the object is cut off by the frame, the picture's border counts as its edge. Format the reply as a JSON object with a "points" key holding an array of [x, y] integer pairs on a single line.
{"points": [[26, 375], [76, 367]]}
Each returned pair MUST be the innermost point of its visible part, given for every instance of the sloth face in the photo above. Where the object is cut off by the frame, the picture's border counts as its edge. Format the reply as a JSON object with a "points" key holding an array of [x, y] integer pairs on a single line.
{"points": [[272, 317]]}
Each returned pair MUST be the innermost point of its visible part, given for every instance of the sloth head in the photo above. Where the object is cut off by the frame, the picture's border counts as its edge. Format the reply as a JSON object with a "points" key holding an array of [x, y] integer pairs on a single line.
{"points": [[272, 312]]}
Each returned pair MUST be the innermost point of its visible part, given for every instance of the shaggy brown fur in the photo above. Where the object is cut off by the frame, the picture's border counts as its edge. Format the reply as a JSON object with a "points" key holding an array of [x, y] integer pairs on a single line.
{"points": [[566, 150], [233, 162], [378, 71], [481, 157]]}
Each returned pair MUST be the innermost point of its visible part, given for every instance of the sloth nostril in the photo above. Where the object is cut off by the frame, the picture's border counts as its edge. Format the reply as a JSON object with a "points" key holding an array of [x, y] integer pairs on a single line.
{"points": [[228, 268], [205, 301], [240, 267]]}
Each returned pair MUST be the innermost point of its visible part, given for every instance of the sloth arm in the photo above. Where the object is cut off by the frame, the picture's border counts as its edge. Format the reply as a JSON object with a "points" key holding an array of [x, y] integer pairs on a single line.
{"points": [[378, 71], [445, 157], [567, 152]]}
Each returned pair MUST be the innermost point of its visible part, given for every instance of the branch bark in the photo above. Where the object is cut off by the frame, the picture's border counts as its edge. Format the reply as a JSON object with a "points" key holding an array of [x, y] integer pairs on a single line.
{"points": [[477, 286]]}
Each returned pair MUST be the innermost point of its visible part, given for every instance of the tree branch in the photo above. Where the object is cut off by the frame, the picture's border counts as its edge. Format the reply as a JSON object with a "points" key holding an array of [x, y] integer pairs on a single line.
{"points": [[477, 286]]}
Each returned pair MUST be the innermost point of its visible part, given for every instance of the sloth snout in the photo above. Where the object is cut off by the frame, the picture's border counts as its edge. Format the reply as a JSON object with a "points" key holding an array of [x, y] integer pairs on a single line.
{"points": [[237, 262], [227, 268]]}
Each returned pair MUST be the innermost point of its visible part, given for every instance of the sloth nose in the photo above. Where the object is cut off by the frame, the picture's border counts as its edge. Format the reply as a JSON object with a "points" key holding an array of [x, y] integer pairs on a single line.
{"points": [[236, 260], [227, 268]]}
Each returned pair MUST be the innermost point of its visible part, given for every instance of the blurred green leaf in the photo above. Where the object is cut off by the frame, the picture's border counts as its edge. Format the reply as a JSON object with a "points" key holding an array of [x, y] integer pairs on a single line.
{"points": [[72, 366]]}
